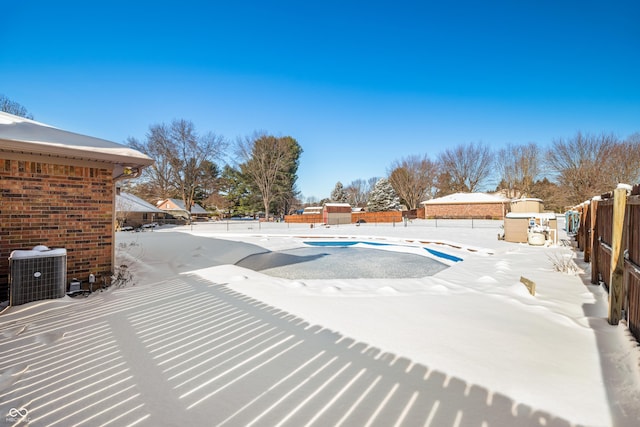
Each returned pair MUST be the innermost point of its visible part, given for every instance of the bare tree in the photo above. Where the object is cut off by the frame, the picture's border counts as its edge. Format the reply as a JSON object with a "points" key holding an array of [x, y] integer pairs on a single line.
{"points": [[157, 180], [182, 157], [271, 163], [584, 165], [413, 179], [311, 201], [520, 167], [465, 168], [358, 191], [624, 161], [12, 107]]}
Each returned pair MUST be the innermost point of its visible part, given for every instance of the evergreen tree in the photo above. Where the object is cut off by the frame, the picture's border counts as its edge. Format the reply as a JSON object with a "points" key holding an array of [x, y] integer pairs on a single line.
{"points": [[339, 195], [383, 197], [235, 193]]}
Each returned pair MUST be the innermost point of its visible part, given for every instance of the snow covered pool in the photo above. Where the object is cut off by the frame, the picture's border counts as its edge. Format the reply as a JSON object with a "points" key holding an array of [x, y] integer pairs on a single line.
{"points": [[339, 243], [348, 260]]}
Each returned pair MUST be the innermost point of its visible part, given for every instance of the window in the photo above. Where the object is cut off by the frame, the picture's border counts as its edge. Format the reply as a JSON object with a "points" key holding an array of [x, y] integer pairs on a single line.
{"points": [[35, 167]]}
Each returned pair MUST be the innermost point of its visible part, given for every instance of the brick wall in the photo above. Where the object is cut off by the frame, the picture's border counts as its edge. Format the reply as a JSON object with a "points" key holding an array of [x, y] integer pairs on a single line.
{"points": [[469, 210], [59, 206]]}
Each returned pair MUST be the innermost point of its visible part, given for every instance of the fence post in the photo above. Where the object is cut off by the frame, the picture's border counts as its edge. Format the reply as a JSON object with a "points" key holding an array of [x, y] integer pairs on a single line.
{"points": [[616, 284], [594, 242], [584, 228], [588, 234]]}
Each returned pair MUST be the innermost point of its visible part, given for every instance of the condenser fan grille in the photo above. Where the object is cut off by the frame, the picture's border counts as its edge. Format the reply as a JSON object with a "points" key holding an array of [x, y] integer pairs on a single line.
{"points": [[36, 275]]}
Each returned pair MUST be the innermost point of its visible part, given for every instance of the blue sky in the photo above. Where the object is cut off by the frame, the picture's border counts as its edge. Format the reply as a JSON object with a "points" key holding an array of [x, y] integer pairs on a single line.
{"points": [[358, 84]]}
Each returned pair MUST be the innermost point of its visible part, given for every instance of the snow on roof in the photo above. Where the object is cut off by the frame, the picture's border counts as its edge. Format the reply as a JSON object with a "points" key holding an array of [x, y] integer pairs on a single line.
{"points": [[126, 202], [338, 204], [195, 209], [28, 136], [526, 199], [459, 198]]}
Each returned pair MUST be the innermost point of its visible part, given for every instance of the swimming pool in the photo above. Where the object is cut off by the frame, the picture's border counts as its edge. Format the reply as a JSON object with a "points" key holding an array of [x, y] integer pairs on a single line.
{"points": [[342, 259], [352, 243]]}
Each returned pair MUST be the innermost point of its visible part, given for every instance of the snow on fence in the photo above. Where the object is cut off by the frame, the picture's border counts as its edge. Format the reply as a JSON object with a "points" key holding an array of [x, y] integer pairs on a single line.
{"points": [[613, 249]]}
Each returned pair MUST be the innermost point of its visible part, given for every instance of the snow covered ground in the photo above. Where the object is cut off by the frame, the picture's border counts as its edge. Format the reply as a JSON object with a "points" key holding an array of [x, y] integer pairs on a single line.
{"points": [[466, 346]]}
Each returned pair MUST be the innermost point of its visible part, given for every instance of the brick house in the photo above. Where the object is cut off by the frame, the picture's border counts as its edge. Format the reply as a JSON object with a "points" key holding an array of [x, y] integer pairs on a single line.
{"points": [[467, 205], [132, 211], [57, 188]]}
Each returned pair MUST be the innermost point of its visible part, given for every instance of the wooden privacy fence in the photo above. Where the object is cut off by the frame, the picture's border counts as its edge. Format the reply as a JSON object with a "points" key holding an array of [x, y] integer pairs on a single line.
{"points": [[304, 219], [373, 217], [609, 236]]}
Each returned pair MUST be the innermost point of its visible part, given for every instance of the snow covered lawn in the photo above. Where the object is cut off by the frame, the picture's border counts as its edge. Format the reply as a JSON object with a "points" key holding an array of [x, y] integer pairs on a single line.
{"points": [[200, 341]]}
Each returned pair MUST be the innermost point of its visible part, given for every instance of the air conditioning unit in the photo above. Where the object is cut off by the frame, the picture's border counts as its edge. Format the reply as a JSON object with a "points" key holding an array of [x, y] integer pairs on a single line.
{"points": [[38, 274]]}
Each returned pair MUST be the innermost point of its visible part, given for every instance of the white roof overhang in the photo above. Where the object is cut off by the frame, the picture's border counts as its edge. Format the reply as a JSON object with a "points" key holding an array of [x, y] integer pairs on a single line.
{"points": [[22, 136]]}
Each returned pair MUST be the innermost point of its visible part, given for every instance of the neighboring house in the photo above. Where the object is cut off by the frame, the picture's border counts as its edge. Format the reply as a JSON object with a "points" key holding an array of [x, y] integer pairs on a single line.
{"points": [[310, 210], [132, 211], [467, 205], [176, 208], [57, 188]]}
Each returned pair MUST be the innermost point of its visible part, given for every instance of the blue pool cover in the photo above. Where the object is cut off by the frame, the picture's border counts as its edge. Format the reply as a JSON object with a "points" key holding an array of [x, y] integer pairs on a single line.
{"points": [[355, 242]]}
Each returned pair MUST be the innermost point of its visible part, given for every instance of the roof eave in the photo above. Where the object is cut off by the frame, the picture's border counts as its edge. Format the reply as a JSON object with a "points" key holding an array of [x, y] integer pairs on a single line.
{"points": [[76, 153]]}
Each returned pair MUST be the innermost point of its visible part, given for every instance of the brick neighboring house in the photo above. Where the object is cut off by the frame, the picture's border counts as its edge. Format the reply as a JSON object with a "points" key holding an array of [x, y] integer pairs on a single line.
{"points": [[57, 188], [176, 208], [134, 212], [467, 205]]}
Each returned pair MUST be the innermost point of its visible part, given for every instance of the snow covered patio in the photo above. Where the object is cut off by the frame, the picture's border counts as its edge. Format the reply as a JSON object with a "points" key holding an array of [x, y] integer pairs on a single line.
{"points": [[198, 341]]}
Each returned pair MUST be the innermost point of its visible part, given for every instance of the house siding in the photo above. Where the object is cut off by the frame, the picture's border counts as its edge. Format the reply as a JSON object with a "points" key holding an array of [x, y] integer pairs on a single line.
{"points": [[59, 206]]}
